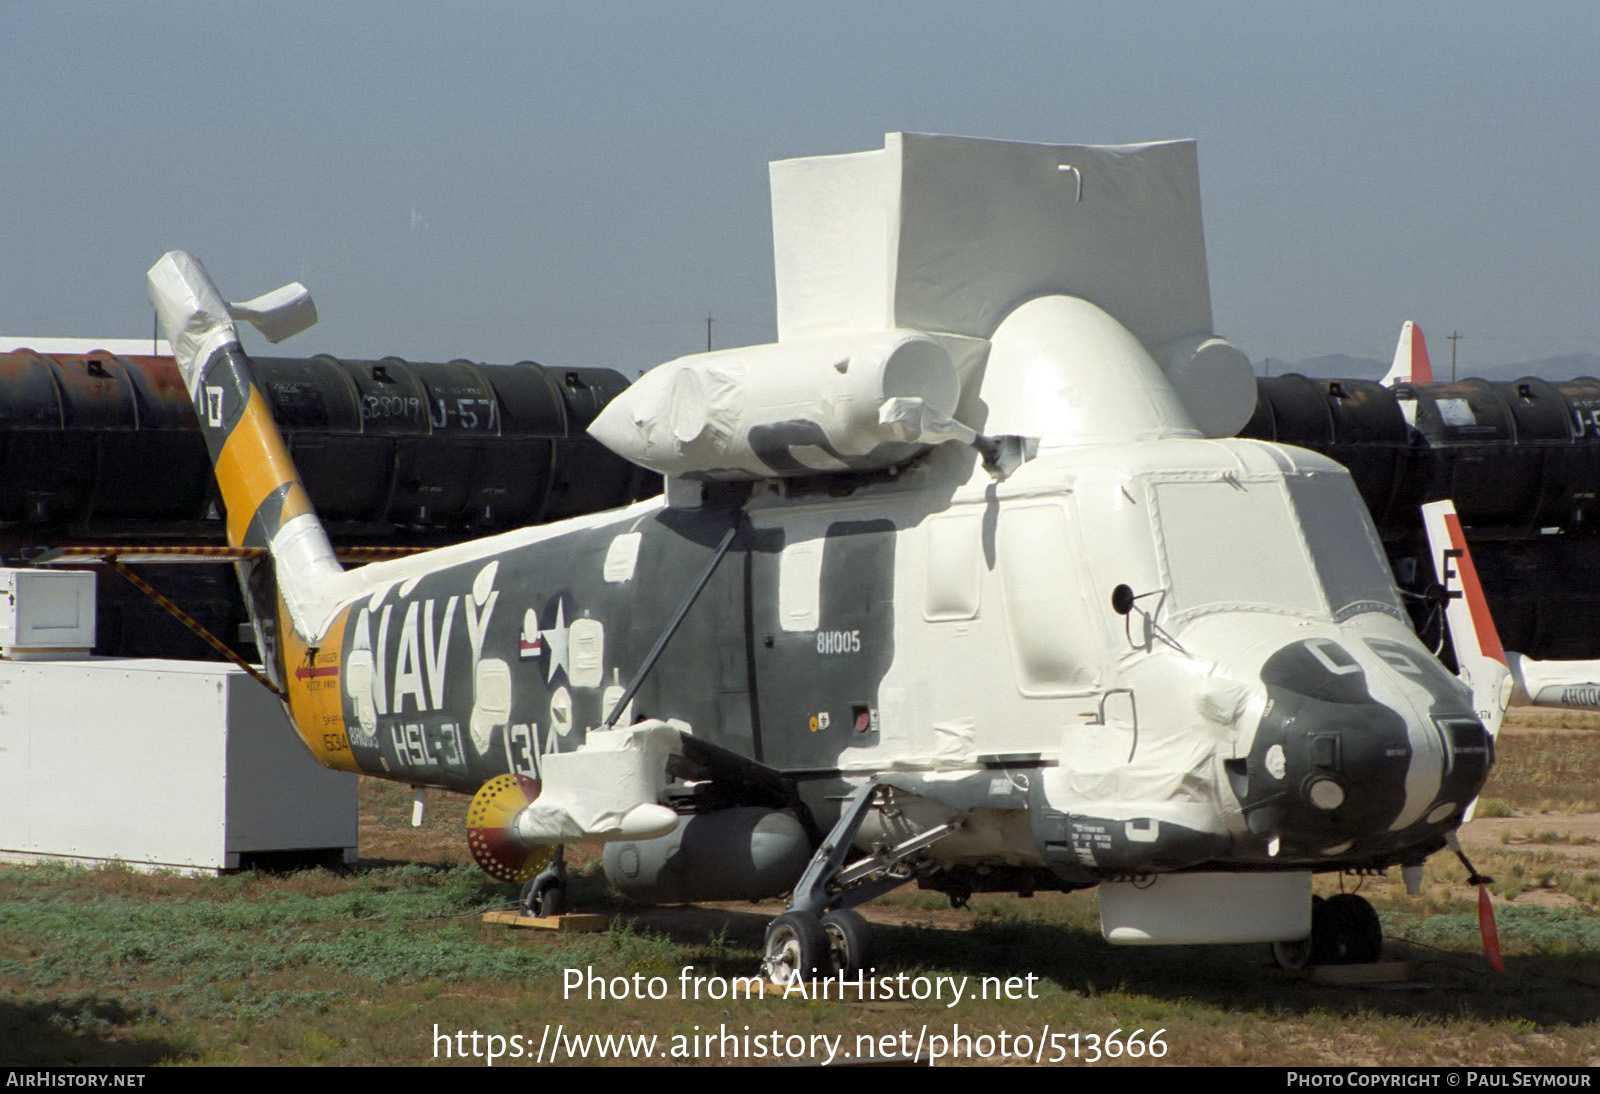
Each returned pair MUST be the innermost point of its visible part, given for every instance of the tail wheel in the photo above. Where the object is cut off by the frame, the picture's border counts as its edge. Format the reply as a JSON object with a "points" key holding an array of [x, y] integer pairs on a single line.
{"points": [[496, 851], [544, 896], [1292, 956]]}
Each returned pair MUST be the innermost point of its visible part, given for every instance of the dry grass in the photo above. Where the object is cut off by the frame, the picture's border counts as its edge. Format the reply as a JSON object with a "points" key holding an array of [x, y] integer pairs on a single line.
{"points": [[1546, 763]]}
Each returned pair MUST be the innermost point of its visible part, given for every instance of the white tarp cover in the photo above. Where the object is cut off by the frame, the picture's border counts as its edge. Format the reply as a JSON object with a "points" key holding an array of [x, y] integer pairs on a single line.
{"points": [[950, 234], [191, 310], [882, 256], [1065, 371], [606, 790], [199, 322], [790, 408]]}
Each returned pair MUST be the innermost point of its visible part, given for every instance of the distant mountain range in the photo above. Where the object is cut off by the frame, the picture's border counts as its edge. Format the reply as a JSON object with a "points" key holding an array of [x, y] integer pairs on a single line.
{"points": [[1343, 366]]}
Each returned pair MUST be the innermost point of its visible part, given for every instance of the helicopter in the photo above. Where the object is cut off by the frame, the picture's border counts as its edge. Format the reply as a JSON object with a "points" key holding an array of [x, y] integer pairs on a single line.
{"points": [[964, 581]]}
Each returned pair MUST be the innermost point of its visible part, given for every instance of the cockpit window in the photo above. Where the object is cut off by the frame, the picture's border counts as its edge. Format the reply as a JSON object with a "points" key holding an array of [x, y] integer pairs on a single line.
{"points": [[1244, 544], [1234, 544], [1355, 574]]}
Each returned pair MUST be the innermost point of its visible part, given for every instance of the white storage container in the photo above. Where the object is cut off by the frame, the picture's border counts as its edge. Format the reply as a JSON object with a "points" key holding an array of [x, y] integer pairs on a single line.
{"points": [[46, 613], [182, 764]]}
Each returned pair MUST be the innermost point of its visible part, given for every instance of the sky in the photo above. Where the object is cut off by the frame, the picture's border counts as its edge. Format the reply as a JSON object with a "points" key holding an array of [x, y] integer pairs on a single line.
{"points": [[582, 184]]}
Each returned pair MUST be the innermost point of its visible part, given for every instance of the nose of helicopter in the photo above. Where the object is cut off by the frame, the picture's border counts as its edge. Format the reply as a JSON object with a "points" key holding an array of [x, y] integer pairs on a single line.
{"points": [[1359, 757]]}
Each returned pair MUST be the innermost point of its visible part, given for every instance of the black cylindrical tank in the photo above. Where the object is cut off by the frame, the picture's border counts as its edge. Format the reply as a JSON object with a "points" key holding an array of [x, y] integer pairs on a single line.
{"points": [[1521, 461], [104, 449], [1356, 422], [1515, 457], [99, 447]]}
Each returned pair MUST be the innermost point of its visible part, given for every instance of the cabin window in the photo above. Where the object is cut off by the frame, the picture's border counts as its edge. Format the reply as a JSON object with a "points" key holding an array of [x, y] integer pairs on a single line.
{"points": [[955, 566], [1054, 648], [621, 558], [799, 578]]}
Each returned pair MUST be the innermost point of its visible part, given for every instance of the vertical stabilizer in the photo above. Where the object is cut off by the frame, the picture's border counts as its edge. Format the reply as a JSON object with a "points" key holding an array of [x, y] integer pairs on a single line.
{"points": [[1411, 364], [1479, 655], [1514, 680], [266, 502]]}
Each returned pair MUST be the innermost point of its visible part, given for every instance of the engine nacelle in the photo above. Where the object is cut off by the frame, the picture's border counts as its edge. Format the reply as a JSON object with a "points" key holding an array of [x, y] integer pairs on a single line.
{"points": [[747, 853], [795, 408]]}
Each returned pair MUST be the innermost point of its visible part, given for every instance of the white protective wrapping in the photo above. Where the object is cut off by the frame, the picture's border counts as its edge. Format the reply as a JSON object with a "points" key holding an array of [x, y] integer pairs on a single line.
{"points": [[1214, 380], [950, 234], [1063, 370], [279, 314], [934, 243], [199, 322], [790, 408], [606, 790], [191, 310]]}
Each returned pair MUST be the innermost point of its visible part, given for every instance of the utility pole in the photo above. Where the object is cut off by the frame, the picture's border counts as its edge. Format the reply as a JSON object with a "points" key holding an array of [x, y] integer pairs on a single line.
{"points": [[708, 334], [1454, 338]]}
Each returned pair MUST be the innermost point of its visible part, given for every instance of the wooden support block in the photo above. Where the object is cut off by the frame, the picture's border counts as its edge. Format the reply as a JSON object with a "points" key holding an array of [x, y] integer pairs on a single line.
{"points": [[570, 922], [1385, 972]]}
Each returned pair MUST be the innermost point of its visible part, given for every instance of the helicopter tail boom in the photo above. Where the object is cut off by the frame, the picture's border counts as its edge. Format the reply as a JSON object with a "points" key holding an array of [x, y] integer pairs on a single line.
{"points": [[267, 505]]}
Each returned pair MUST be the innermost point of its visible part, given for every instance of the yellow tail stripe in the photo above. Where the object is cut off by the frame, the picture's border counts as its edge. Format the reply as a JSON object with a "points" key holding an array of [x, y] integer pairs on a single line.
{"points": [[252, 464]]}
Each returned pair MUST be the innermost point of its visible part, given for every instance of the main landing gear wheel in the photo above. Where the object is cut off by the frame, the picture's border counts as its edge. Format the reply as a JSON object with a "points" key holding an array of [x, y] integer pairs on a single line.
{"points": [[496, 851], [796, 945], [849, 940]]}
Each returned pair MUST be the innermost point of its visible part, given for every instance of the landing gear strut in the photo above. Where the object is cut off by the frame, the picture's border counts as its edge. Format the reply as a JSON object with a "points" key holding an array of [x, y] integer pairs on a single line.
{"points": [[820, 934]]}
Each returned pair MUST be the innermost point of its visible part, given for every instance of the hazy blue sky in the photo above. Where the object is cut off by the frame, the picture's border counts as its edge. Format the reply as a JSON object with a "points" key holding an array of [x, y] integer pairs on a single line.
{"points": [[584, 183]]}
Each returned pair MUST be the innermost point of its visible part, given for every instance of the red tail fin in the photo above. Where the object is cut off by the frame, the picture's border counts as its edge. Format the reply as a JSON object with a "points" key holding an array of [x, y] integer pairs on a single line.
{"points": [[1411, 364], [1479, 655]]}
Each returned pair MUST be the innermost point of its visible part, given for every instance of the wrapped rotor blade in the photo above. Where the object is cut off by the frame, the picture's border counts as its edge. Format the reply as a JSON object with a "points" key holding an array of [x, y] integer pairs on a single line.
{"points": [[279, 314]]}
